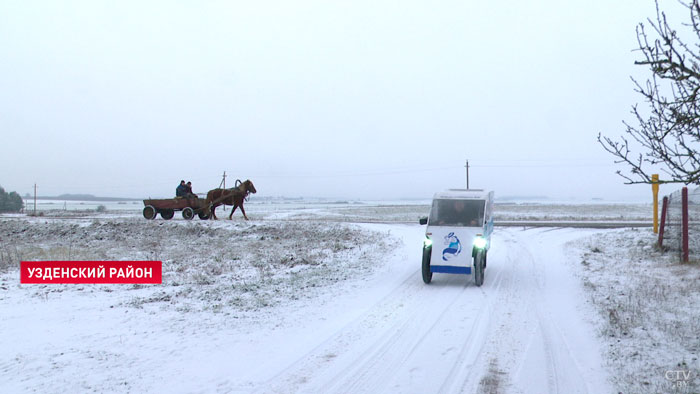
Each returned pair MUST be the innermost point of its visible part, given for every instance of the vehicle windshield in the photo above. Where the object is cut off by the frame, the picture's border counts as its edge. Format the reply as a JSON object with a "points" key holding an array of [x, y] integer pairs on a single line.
{"points": [[469, 213]]}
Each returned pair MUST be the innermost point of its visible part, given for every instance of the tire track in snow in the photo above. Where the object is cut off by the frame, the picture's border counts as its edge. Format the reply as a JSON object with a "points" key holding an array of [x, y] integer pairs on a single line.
{"points": [[378, 370], [375, 366], [298, 372], [563, 372], [460, 309], [462, 373], [377, 343], [506, 305]]}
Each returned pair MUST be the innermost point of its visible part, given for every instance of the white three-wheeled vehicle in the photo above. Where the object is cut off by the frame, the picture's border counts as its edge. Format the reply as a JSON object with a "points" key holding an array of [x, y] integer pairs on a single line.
{"points": [[458, 236]]}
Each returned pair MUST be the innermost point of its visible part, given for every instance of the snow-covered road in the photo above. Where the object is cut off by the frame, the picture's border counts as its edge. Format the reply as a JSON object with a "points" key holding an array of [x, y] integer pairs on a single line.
{"points": [[525, 331]]}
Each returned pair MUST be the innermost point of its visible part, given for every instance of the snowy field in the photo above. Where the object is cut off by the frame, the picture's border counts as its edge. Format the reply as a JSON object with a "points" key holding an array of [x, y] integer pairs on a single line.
{"points": [[327, 297], [365, 211]]}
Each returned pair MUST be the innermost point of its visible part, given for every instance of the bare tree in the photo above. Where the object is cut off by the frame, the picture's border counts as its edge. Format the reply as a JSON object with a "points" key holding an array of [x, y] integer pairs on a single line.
{"points": [[668, 128]]}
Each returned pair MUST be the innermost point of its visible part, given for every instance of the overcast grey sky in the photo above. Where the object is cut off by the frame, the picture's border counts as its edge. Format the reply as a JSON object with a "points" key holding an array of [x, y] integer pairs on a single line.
{"points": [[354, 99]]}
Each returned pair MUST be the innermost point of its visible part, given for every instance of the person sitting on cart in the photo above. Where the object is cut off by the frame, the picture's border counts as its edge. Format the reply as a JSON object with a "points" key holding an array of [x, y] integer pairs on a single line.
{"points": [[188, 191], [181, 190]]}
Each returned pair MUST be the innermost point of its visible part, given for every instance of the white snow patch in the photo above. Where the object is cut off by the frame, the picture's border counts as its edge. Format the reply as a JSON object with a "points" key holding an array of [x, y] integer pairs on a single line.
{"points": [[647, 304]]}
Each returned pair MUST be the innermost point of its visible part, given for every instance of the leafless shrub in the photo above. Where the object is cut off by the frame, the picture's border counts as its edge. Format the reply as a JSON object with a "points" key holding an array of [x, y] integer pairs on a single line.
{"points": [[9, 258]]}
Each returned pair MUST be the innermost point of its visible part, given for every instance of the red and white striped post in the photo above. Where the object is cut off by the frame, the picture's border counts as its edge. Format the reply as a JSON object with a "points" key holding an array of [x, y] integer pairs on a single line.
{"points": [[684, 230]]}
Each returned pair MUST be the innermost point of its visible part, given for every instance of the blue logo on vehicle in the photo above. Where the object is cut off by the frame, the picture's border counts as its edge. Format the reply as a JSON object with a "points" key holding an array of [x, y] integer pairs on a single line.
{"points": [[454, 247]]}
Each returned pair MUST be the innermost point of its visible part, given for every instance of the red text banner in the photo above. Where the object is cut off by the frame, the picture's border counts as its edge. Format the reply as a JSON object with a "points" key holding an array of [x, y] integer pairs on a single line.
{"points": [[91, 272]]}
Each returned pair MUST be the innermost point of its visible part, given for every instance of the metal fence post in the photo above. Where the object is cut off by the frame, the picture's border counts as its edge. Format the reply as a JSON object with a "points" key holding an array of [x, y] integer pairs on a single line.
{"points": [[684, 233]]}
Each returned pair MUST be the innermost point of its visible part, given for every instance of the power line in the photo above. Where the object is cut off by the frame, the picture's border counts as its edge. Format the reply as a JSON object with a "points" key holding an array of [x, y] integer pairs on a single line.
{"points": [[490, 163], [354, 174]]}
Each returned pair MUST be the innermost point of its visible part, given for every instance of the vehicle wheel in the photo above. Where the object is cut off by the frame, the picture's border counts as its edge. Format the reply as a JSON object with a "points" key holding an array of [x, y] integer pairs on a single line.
{"points": [[149, 212], [203, 214], [167, 214], [427, 275], [479, 268], [188, 213]]}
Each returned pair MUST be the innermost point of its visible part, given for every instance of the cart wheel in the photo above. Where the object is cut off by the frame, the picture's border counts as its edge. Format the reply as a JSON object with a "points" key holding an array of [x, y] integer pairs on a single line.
{"points": [[427, 275], [479, 268], [203, 214], [167, 214], [188, 213], [149, 212]]}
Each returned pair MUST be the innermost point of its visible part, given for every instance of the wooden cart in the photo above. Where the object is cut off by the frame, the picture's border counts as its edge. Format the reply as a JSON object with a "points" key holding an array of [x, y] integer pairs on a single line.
{"points": [[167, 207]]}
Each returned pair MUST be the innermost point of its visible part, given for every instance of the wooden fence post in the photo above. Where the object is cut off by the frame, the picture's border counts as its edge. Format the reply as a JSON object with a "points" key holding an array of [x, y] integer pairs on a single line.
{"points": [[662, 225]]}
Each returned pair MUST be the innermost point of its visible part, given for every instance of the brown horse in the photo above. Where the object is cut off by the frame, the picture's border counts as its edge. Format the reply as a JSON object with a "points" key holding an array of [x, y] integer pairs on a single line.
{"points": [[233, 196]]}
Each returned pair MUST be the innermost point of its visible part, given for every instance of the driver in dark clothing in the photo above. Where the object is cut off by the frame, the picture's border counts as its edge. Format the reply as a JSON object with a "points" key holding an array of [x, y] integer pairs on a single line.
{"points": [[181, 190]]}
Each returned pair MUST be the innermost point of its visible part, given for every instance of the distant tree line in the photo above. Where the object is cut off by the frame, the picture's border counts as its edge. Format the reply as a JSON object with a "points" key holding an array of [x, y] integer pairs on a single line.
{"points": [[10, 202]]}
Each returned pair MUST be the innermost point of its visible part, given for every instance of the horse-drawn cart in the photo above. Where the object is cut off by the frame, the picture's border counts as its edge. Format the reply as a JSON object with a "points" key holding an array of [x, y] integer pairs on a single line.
{"points": [[204, 208], [166, 208]]}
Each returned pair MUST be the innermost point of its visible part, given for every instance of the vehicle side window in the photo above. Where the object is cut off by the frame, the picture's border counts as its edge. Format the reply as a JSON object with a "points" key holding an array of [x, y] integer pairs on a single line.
{"points": [[489, 211]]}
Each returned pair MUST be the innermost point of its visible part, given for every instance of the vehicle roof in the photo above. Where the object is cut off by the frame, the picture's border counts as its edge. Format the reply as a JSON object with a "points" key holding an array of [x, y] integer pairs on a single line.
{"points": [[462, 194]]}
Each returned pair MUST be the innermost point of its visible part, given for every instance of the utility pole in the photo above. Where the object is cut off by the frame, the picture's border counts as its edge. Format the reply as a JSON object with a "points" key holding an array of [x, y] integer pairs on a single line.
{"points": [[222, 185], [467, 167], [35, 199]]}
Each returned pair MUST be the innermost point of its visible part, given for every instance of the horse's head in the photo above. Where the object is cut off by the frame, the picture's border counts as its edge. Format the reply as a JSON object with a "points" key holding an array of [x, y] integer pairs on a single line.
{"points": [[249, 186]]}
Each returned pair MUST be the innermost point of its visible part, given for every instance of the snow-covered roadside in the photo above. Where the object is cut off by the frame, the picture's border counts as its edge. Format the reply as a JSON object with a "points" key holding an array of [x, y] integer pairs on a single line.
{"points": [[648, 307], [227, 288], [217, 266]]}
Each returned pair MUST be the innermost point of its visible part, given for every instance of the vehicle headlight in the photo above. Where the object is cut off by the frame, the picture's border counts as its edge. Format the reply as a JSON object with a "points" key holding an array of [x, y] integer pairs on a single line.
{"points": [[480, 242], [427, 242]]}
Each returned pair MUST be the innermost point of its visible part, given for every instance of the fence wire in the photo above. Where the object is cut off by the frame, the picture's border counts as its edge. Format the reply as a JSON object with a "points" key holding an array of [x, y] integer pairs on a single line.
{"points": [[673, 228], [694, 224]]}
